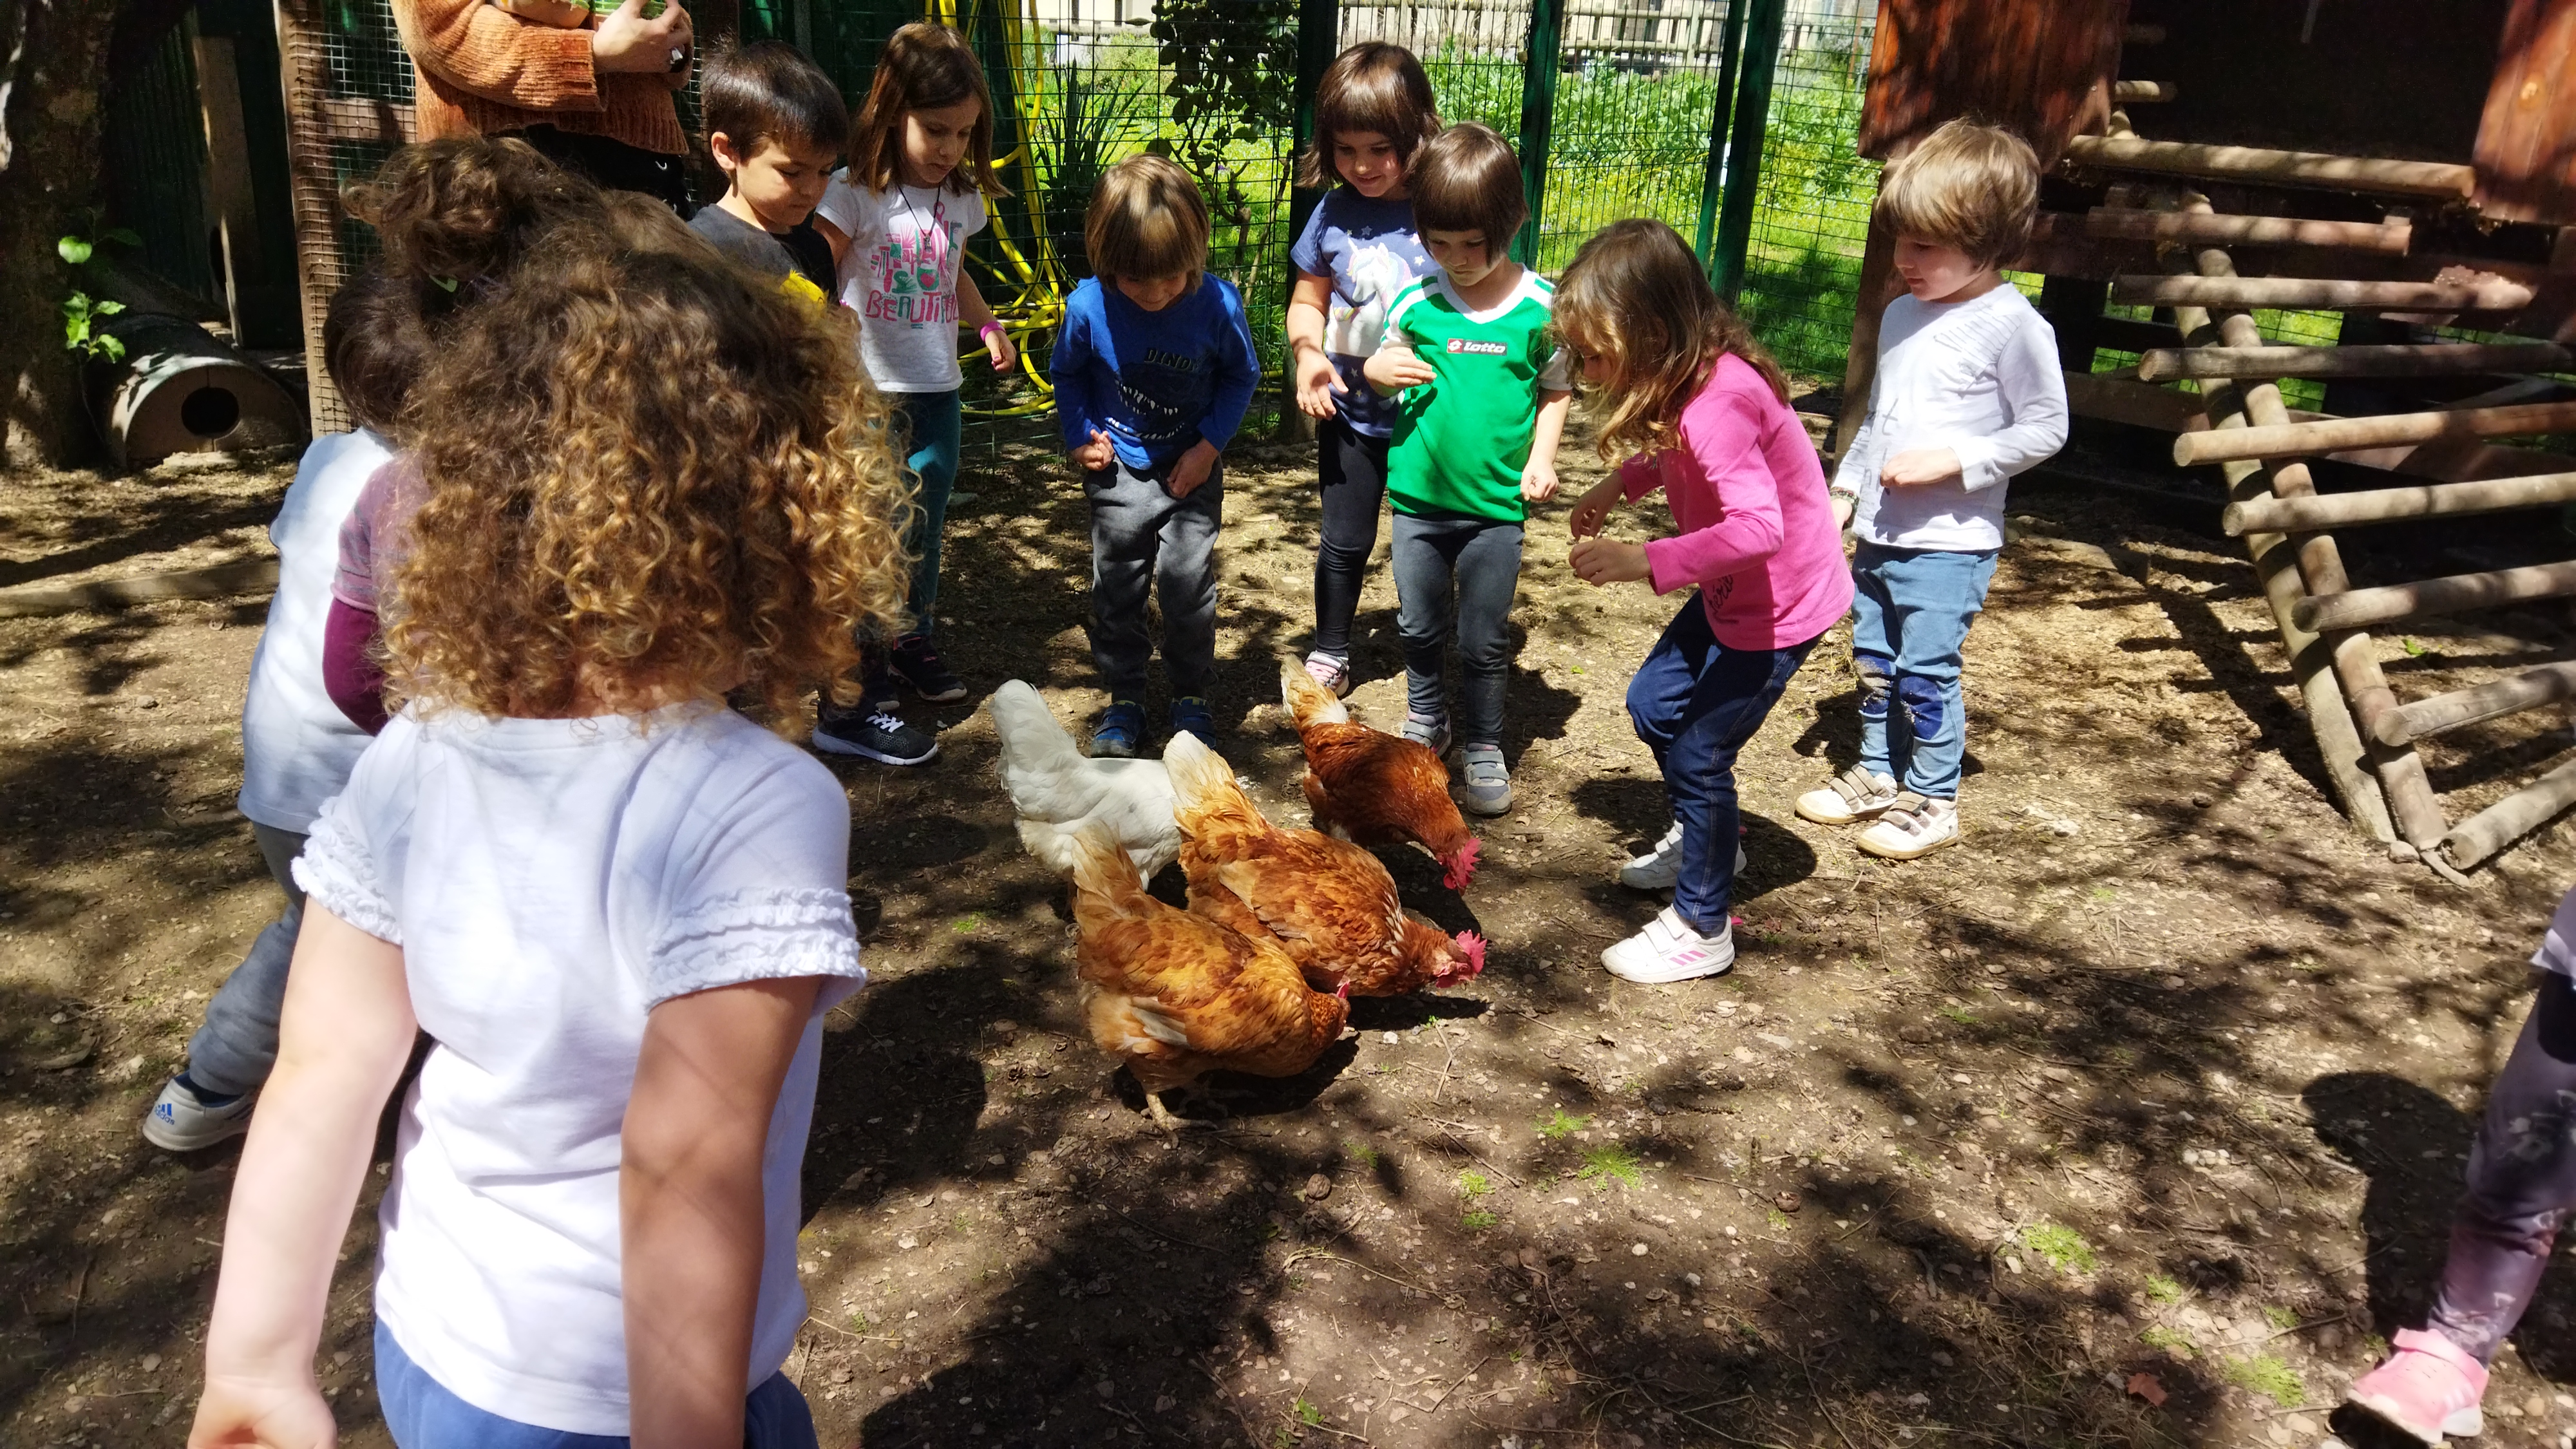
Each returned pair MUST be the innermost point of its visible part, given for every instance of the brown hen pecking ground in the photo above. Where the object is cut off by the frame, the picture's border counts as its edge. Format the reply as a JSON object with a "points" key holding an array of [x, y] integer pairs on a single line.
{"points": [[2133, 1120]]}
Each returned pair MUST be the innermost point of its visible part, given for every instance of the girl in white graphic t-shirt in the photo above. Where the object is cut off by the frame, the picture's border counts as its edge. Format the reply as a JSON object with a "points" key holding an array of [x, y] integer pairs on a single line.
{"points": [[617, 908], [898, 216]]}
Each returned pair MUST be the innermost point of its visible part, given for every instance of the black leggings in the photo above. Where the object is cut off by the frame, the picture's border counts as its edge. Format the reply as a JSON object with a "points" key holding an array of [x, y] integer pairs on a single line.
{"points": [[1352, 470], [2522, 1181]]}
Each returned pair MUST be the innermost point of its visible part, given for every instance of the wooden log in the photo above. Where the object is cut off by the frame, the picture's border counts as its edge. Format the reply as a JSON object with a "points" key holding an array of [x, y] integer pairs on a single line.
{"points": [[2326, 294], [2306, 440], [2532, 688], [2395, 505], [218, 581], [2441, 359], [2129, 91], [2509, 819], [2363, 608], [2259, 167], [2128, 224]]}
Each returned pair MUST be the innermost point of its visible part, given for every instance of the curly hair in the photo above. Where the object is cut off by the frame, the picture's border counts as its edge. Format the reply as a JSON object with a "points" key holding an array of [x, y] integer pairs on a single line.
{"points": [[1635, 298], [648, 478], [454, 216]]}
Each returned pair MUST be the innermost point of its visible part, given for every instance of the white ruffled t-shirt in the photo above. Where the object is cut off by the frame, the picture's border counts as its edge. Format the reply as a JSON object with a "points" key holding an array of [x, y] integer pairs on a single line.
{"points": [[550, 882]]}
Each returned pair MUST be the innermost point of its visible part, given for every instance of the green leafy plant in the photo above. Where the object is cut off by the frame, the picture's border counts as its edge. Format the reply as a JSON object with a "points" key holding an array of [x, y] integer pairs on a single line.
{"points": [[2413, 649], [1775, 1219], [1563, 1124], [2061, 1247], [1960, 1014], [2170, 1340], [2267, 1375], [1361, 1153], [81, 311], [1474, 1184], [2162, 1289], [966, 924], [1309, 1414], [1608, 1164], [1477, 1220], [2280, 1318]]}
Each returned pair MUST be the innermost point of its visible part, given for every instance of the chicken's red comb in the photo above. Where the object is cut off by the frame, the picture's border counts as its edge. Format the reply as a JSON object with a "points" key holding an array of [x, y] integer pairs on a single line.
{"points": [[1462, 864], [1474, 946]]}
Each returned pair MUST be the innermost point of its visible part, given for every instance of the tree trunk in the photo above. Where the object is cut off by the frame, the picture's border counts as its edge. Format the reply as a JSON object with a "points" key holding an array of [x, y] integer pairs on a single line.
{"points": [[53, 74]]}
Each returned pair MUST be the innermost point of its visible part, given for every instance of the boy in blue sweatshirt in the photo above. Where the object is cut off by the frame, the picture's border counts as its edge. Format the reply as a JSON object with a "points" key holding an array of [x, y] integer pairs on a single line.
{"points": [[1153, 370]]}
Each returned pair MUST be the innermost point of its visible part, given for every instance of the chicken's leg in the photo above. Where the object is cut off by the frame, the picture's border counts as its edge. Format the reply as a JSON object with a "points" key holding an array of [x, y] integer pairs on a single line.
{"points": [[1162, 1115]]}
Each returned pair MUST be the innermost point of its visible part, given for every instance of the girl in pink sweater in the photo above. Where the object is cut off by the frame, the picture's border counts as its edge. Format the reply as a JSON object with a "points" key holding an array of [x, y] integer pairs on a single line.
{"points": [[1680, 384]]}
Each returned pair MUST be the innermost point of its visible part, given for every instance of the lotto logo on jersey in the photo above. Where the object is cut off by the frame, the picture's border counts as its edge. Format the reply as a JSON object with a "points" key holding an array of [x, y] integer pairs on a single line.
{"points": [[1479, 349]]}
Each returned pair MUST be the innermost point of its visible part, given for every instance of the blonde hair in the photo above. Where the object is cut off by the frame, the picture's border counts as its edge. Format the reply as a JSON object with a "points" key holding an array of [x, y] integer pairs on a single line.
{"points": [[1968, 186], [1373, 86], [924, 67], [1636, 298], [646, 475], [1146, 220]]}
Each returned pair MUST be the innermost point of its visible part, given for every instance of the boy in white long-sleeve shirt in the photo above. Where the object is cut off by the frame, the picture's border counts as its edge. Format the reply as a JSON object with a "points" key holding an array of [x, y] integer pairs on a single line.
{"points": [[1968, 393]]}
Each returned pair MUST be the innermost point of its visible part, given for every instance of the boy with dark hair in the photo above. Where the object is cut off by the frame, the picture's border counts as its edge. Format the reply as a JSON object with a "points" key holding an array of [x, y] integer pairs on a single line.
{"points": [[1482, 393], [774, 123], [1153, 370]]}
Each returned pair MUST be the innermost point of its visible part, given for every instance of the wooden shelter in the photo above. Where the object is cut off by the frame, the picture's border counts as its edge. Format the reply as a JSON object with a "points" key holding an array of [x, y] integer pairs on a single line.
{"points": [[2410, 167]]}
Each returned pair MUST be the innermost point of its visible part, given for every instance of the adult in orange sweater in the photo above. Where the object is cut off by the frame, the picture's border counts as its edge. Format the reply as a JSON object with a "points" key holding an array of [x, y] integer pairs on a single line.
{"points": [[596, 98]]}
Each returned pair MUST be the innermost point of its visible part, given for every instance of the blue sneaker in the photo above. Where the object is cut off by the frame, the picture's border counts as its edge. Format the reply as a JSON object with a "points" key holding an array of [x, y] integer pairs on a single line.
{"points": [[1190, 712], [186, 1117], [1120, 731]]}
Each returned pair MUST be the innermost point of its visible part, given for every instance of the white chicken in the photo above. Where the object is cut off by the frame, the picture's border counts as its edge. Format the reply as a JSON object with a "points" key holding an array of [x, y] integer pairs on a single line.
{"points": [[1055, 788]]}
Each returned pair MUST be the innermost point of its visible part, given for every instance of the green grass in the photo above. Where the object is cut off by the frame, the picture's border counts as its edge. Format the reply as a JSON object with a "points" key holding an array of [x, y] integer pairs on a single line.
{"points": [[1608, 1164], [2280, 1318], [1563, 1124], [1477, 1220], [2061, 1247], [1960, 1014], [1361, 1153], [2161, 1289], [2170, 1340], [2267, 1375]]}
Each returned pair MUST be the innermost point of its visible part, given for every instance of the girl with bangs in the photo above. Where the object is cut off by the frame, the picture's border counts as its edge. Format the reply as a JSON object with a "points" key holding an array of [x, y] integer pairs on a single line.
{"points": [[1680, 385], [616, 907]]}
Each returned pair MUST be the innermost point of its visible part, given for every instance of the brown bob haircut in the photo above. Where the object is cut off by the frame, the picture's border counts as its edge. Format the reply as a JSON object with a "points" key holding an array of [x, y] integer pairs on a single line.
{"points": [[1969, 186], [923, 68], [1146, 220], [1373, 86], [1467, 179], [1638, 300], [769, 91], [373, 346]]}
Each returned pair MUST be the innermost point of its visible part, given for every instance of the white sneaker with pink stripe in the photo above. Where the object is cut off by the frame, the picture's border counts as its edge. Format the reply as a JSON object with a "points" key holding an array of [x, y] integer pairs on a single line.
{"points": [[1669, 950]]}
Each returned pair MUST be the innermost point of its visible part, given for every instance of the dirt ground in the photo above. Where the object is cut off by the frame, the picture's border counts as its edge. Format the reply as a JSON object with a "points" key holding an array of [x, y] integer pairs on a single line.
{"points": [[2133, 1120]]}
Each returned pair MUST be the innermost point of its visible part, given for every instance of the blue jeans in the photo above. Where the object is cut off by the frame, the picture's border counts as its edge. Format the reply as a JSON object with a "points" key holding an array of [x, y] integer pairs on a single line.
{"points": [[1696, 703], [1911, 609], [1453, 569], [931, 423], [233, 1051], [420, 1414]]}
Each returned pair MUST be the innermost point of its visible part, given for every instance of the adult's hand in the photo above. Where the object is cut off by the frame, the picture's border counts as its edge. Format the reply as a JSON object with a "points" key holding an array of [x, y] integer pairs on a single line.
{"points": [[627, 42]]}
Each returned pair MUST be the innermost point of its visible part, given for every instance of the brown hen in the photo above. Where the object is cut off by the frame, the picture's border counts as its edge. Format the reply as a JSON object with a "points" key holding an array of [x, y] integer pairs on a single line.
{"points": [[1372, 787], [1329, 904], [1176, 995]]}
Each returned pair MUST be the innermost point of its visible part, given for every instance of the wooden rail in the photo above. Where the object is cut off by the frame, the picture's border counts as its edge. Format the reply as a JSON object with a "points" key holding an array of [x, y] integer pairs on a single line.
{"points": [[2439, 359], [2396, 505], [2335, 435], [2364, 608], [2121, 223], [2257, 166], [2326, 294], [2511, 818], [2532, 688]]}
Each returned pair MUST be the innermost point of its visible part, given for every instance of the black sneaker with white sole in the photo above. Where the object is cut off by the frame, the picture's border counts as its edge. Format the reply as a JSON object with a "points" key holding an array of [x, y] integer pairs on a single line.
{"points": [[872, 731], [917, 663]]}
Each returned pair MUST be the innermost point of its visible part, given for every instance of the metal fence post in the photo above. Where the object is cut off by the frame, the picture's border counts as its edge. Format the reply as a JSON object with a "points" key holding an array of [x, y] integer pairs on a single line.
{"points": [[1763, 22], [1538, 115], [1319, 30], [1730, 56]]}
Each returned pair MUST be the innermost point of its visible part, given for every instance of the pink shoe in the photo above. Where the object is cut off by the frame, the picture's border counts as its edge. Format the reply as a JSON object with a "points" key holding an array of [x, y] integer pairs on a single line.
{"points": [[2429, 1387]]}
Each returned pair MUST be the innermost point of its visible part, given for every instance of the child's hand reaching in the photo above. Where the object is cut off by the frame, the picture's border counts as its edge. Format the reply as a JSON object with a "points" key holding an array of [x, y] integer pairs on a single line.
{"points": [[1097, 454], [260, 1414], [1917, 466], [1593, 509], [1599, 561], [1393, 369], [1191, 469], [1538, 480], [997, 343], [1317, 381]]}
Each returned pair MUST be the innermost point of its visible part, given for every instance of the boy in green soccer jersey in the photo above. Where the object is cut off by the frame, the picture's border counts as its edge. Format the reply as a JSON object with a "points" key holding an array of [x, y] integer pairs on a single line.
{"points": [[1482, 396]]}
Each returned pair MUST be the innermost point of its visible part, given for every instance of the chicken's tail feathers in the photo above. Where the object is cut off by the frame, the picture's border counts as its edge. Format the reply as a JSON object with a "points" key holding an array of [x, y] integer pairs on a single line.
{"points": [[1203, 784], [1031, 738], [1308, 701], [1101, 868]]}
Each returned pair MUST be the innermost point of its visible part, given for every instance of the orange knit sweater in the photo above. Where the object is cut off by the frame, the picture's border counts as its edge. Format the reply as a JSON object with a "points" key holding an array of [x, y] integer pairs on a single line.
{"points": [[484, 71]]}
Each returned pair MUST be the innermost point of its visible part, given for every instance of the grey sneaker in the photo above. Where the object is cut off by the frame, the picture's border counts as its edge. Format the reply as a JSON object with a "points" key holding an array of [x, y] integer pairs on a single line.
{"points": [[1489, 780], [1660, 869], [1433, 734], [1856, 794], [184, 1119]]}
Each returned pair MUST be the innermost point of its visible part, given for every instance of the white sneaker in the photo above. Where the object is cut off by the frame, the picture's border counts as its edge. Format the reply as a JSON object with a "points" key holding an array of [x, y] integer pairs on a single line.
{"points": [[183, 1121], [1660, 869], [1669, 950], [1912, 826], [1856, 794]]}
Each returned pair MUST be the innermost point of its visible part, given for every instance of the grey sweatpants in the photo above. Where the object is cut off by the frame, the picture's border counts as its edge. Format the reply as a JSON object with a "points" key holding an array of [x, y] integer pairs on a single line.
{"points": [[233, 1051], [1461, 570], [1142, 538]]}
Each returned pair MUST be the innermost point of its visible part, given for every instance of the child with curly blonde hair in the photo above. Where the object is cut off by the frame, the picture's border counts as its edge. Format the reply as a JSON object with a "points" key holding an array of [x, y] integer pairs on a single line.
{"points": [[617, 908]]}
